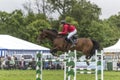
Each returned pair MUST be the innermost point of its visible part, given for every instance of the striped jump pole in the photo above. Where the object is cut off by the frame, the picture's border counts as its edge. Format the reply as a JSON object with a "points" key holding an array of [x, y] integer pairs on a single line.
{"points": [[65, 68], [86, 71], [39, 66], [70, 66], [99, 65], [70, 69], [98, 71]]}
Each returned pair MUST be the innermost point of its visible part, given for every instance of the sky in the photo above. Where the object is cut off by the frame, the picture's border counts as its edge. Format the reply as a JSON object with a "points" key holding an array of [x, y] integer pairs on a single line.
{"points": [[109, 7], [10, 5]]}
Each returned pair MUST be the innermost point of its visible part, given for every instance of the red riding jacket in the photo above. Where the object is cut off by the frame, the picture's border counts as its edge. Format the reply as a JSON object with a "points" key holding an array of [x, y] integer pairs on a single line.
{"points": [[67, 28]]}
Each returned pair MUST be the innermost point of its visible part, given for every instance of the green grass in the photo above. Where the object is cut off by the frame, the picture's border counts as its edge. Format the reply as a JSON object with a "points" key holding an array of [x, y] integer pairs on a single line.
{"points": [[51, 75]]}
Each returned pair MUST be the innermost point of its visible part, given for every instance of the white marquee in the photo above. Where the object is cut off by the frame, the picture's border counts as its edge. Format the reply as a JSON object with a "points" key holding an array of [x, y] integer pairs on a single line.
{"points": [[113, 48], [10, 44]]}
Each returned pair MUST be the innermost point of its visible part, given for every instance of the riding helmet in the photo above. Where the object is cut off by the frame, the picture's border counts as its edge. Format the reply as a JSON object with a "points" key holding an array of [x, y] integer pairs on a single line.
{"points": [[62, 21]]}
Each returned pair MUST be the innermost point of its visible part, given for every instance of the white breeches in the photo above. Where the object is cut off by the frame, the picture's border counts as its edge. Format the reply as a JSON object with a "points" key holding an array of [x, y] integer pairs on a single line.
{"points": [[71, 34]]}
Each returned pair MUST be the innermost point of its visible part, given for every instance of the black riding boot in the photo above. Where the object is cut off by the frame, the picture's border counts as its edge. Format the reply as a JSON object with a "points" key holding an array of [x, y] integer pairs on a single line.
{"points": [[67, 40], [73, 44]]}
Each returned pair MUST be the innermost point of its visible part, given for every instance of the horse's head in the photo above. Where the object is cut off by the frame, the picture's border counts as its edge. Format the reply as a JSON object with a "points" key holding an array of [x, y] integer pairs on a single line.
{"points": [[41, 36], [47, 33]]}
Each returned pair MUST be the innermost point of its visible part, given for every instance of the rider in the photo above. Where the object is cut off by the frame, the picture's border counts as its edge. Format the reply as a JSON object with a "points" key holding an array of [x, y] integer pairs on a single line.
{"points": [[68, 29]]}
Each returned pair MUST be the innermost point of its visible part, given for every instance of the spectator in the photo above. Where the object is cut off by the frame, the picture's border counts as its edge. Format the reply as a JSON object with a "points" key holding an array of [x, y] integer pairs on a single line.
{"points": [[118, 65], [3, 63], [16, 62], [33, 64], [0, 62], [22, 64], [7, 62]]}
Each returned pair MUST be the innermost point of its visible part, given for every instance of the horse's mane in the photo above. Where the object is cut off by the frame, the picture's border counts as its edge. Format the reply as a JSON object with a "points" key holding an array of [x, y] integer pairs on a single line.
{"points": [[53, 30]]}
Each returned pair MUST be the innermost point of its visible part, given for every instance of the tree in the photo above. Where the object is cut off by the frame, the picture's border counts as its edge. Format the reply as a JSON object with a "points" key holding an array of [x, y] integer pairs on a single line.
{"points": [[103, 33], [4, 16], [72, 21], [84, 12], [34, 28], [114, 20], [38, 7], [61, 6], [13, 23], [28, 7]]}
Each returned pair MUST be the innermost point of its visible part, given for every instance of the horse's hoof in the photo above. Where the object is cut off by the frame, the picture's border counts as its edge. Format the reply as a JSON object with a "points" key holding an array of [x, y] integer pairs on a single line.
{"points": [[88, 63], [53, 54]]}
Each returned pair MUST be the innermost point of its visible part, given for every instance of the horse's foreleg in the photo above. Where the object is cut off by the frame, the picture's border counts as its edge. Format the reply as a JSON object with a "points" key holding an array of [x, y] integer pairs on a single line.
{"points": [[87, 60], [53, 51], [88, 57]]}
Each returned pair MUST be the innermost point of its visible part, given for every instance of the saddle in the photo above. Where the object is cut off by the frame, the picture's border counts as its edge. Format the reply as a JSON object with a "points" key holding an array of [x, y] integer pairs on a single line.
{"points": [[71, 42], [73, 39]]}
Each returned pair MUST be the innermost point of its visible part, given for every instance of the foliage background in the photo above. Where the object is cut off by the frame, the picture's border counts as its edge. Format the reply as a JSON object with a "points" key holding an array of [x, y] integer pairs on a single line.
{"points": [[81, 13]]}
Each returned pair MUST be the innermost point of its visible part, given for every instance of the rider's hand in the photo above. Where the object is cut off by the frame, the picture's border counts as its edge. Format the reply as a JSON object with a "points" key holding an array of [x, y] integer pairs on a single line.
{"points": [[59, 32]]}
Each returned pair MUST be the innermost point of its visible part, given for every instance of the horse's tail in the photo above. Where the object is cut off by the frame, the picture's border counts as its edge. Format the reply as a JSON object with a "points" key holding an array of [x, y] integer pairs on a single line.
{"points": [[96, 46]]}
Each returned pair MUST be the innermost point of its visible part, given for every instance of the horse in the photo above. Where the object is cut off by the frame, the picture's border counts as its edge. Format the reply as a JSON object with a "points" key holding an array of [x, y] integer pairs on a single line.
{"points": [[85, 45]]}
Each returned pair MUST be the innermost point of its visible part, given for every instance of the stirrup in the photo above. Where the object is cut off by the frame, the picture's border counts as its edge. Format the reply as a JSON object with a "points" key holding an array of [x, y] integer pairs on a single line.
{"points": [[66, 39]]}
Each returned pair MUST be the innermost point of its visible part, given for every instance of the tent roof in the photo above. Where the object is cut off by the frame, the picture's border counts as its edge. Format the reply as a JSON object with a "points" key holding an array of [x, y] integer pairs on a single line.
{"points": [[113, 48], [12, 43]]}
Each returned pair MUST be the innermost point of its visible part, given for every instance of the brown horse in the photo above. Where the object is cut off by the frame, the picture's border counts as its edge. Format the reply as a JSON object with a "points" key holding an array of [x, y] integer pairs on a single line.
{"points": [[85, 45]]}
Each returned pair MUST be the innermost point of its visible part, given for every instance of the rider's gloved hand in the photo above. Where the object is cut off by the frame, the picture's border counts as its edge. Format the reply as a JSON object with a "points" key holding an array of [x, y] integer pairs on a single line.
{"points": [[59, 32]]}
